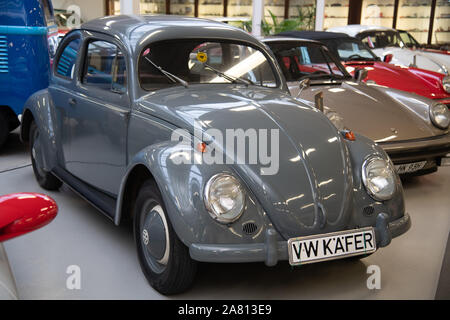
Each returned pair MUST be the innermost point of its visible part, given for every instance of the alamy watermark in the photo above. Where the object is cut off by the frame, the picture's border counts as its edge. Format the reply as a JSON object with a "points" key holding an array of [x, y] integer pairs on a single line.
{"points": [[374, 280], [228, 146], [73, 281]]}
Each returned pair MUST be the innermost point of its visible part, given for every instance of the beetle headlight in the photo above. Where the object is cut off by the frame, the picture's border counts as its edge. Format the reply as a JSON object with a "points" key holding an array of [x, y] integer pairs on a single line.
{"points": [[224, 198], [440, 116], [446, 83], [378, 178]]}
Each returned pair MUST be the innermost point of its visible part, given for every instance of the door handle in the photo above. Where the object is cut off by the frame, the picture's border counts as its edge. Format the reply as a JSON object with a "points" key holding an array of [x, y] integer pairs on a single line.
{"points": [[72, 101]]}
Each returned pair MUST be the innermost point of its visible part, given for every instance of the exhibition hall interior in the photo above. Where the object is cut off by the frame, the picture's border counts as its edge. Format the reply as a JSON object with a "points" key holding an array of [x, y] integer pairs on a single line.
{"points": [[225, 149]]}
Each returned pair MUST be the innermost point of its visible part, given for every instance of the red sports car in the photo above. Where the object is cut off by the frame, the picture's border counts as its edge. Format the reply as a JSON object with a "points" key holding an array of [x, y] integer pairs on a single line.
{"points": [[355, 54]]}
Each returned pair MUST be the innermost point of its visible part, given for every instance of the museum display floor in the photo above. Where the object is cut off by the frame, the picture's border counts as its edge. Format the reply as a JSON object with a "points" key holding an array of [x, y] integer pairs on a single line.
{"points": [[105, 254]]}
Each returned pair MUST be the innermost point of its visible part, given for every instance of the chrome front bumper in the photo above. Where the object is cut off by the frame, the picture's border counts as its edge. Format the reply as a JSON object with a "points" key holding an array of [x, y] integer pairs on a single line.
{"points": [[272, 251]]}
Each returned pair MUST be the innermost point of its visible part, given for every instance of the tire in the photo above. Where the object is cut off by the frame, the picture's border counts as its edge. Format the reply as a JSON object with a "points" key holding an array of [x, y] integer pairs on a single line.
{"points": [[4, 129], [169, 269], [45, 179]]}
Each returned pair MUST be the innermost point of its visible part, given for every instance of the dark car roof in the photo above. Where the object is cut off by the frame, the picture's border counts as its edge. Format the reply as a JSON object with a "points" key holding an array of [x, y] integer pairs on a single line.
{"points": [[282, 37], [143, 28], [314, 35]]}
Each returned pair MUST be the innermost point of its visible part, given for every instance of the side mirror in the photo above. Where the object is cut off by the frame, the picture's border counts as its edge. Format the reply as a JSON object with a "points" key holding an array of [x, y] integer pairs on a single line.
{"points": [[388, 58], [361, 74], [21, 213], [303, 85]]}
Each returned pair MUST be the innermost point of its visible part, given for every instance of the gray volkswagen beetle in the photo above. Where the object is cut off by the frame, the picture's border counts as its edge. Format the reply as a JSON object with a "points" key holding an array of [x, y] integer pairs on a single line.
{"points": [[138, 105], [412, 129]]}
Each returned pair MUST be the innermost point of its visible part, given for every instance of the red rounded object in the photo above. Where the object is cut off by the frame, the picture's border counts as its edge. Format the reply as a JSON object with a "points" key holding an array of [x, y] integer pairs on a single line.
{"points": [[21, 213]]}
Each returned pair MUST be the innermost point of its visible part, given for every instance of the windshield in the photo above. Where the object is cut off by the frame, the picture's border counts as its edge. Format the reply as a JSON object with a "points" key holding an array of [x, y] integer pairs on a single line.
{"points": [[306, 60], [197, 61], [381, 39], [350, 49], [408, 39]]}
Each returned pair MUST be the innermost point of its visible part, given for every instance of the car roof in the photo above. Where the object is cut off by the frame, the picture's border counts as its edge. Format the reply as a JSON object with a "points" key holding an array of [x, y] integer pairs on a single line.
{"points": [[287, 38], [354, 29], [314, 35], [137, 29]]}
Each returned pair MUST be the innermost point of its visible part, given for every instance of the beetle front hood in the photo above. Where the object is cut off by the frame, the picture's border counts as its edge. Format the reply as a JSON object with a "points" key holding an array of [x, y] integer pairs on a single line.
{"points": [[373, 112], [312, 189]]}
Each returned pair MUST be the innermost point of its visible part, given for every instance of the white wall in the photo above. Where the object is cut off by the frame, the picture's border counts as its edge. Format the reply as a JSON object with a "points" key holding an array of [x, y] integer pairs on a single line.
{"points": [[90, 9]]}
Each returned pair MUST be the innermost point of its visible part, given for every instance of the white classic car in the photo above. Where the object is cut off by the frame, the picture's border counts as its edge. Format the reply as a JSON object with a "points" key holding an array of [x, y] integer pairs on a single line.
{"points": [[386, 41]]}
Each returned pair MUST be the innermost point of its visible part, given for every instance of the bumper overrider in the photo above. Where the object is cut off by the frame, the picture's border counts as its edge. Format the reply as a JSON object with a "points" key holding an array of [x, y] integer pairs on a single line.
{"points": [[273, 250]]}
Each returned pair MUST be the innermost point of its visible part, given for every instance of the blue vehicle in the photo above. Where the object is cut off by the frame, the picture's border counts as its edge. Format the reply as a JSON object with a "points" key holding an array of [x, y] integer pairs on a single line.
{"points": [[28, 40]]}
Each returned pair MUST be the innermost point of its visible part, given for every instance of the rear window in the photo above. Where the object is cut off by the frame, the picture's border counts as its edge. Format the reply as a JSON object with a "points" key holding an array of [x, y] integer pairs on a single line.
{"points": [[48, 14]]}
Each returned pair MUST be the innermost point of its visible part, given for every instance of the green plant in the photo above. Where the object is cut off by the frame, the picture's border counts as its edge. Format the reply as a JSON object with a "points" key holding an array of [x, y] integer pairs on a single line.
{"points": [[304, 21]]}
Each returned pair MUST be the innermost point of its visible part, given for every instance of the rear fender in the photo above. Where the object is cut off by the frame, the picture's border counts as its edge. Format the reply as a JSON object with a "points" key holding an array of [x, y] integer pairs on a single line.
{"points": [[39, 107]]}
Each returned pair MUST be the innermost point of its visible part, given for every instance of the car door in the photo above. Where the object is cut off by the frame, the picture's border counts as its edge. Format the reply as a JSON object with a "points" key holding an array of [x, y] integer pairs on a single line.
{"points": [[61, 90], [98, 114]]}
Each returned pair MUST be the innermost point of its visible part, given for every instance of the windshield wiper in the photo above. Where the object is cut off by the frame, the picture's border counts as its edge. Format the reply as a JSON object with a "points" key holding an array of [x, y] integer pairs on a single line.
{"points": [[169, 75], [357, 57], [228, 77]]}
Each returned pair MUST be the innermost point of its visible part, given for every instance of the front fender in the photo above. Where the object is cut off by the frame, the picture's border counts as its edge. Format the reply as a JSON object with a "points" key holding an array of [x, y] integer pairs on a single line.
{"points": [[39, 107], [367, 208], [181, 187]]}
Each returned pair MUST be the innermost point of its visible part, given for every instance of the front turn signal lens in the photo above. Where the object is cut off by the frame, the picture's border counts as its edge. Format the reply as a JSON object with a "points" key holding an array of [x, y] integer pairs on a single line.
{"points": [[348, 134], [201, 147]]}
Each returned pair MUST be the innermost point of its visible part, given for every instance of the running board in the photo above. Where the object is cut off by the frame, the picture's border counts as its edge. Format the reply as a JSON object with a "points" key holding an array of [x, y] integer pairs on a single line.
{"points": [[103, 202]]}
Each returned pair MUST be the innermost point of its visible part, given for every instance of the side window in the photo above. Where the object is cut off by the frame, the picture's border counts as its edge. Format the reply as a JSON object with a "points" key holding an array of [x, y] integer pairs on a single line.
{"points": [[105, 67], [405, 38], [67, 59]]}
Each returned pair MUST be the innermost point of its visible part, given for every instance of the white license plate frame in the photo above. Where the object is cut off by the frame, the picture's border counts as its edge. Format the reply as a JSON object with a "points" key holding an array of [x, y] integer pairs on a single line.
{"points": [[295, 259]]}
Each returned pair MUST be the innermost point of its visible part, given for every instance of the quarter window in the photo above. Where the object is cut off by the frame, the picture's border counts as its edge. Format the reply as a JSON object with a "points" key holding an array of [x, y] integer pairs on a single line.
{"points": [[105, 67], [67, 59]]}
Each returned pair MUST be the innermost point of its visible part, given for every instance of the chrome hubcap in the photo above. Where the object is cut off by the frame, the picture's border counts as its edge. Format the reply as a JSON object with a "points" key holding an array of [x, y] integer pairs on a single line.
{"points": [[154, 225]]}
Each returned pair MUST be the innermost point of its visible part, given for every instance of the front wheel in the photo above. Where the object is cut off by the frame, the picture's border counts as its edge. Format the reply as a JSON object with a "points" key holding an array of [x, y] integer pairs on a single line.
{"points": [[164, 259], [45, 179]]}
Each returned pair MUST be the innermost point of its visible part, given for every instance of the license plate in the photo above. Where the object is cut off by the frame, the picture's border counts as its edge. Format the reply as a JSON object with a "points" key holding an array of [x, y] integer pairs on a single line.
{"points": [[409, 167], [331, 246]]}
